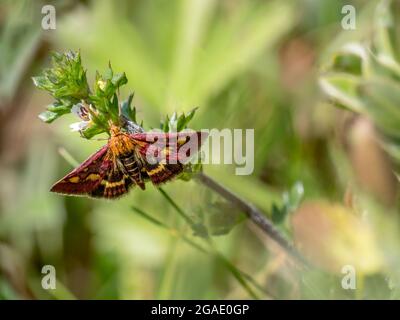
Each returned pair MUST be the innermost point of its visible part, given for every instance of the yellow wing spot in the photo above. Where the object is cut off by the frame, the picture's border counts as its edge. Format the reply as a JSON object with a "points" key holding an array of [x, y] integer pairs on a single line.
{"points": [[93, 177], [113, 184], [156, 170], [118, 183], [74, 179]]}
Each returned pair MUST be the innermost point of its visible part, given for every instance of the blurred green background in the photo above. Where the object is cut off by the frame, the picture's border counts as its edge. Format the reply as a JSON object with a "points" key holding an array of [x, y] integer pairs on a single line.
{"points": [[322, 174]]}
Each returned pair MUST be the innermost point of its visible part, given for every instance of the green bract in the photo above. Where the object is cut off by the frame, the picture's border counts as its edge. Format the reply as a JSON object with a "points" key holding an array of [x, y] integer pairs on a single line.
{"points": [[177, 122], [66, 81]]}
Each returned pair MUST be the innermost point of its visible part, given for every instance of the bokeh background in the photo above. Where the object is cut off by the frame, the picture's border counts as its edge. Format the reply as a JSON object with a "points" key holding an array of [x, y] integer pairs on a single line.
{"points": [[322, 174]]}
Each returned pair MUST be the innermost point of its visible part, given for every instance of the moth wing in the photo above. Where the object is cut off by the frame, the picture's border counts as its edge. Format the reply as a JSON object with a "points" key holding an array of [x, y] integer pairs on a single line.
{"points": [[161, 152], [86, 177], [173, 147], [115, 184], [161, 172]]}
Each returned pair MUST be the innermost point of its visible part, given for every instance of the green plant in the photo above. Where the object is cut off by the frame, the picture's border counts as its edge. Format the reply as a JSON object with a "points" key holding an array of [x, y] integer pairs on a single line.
{"points": [[66, 81]]}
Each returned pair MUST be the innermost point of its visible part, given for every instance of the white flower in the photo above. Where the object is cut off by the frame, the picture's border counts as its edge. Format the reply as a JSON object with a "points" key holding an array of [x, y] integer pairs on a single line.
{"points": [[82, 112], [79, 126]]}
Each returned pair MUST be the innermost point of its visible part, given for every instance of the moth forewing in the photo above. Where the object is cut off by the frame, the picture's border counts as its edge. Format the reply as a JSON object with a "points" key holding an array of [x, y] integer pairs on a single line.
{"points": [[85, 177]]}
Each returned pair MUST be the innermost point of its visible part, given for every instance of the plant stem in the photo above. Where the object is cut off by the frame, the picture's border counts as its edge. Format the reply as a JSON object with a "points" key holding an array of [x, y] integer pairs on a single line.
{"points": [[254, 214]]}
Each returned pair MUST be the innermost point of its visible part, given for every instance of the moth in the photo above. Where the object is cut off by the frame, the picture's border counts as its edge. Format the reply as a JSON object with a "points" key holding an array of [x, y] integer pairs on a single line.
{"points": [[130, 159]]}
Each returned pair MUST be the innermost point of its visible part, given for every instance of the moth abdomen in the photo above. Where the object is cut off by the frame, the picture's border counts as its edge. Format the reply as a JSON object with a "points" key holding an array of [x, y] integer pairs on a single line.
{"points": [[133, 169]]}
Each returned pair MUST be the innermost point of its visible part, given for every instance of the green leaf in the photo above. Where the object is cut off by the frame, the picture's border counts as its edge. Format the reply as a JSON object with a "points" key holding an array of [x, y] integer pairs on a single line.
{"points": [[293, 198], [177, 122], [383, 23], [183, 120], [48, 116], [290, 203], [342, 88], [173, 122], [349, 63], [127, 110], [382, 100], [113, 108], [119, 80], [278, 215], [222, 217], [40, 82], [58, 107], [165, 124], [93, 130]]}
